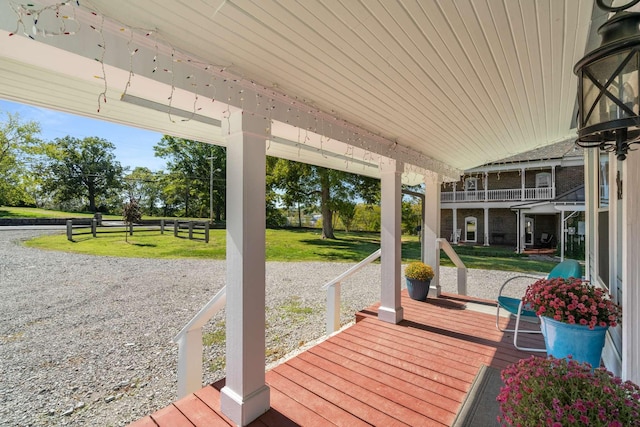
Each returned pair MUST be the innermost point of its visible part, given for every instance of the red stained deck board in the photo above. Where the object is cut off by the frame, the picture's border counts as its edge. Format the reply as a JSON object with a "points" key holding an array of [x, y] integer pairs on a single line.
{"points": [[412, 349], [416, 359], [171, 417], [296, 412], [386, 376], [410, 404], [341, 398], [198, 413], [437, 344], [337, 416], [410, 379], [399, 413], [435, 373]]}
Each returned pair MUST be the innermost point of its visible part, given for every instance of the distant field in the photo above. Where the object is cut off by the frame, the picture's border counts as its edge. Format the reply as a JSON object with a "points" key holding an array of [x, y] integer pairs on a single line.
{"points": [[12, 212]]}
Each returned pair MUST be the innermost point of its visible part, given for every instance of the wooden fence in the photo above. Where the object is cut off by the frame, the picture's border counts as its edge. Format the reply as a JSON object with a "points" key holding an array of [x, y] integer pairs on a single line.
{"points": [[193, 230]]}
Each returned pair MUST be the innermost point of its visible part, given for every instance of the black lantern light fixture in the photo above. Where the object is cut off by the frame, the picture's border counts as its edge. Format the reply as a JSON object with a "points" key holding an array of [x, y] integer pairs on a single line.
{"points": [[609, 83]]}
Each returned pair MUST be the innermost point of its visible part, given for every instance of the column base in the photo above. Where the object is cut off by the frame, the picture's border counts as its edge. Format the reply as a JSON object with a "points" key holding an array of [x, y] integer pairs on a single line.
{"points": [[243, 411], [434, 291], [391, 315]]}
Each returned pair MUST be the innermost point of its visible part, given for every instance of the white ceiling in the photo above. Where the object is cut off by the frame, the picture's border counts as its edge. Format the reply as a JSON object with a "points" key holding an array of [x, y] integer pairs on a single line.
{"points": [[455, 83]]}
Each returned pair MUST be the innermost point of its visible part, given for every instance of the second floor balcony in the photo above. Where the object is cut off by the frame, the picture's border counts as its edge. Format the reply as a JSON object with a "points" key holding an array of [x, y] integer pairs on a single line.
{"points": [[499, 195]]}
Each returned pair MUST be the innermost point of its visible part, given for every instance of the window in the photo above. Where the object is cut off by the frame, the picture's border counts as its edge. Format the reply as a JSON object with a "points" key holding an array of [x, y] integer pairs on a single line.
{"points": [[543, 180], [470, 184], [470, 229]]}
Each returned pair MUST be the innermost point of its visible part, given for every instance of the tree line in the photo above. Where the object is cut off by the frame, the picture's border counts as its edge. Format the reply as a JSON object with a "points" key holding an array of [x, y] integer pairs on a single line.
{"points": [[83, 175]]}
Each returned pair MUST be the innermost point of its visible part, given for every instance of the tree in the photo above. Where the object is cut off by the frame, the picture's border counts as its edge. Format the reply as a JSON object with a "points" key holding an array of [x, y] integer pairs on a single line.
{"points": [[196, 174], [305, 184], [17, 141], [84, 169], [131, 214], [145, 187]]}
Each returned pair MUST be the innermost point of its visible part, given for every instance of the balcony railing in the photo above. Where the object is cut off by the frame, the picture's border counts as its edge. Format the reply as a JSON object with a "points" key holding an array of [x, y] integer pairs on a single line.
{"points": [[500, 195]]}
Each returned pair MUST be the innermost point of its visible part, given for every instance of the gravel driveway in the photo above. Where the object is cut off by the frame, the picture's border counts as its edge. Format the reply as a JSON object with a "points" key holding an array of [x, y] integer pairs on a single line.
{"points": [[87, 340]]}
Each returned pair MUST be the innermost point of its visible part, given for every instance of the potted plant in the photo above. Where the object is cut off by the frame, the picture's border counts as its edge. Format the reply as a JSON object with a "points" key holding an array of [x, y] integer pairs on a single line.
{"points": [[574, 316], [418, 275], [563, 392]]}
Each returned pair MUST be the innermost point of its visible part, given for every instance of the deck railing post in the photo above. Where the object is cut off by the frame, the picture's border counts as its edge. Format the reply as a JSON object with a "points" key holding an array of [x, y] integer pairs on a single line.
{"points": [[70, 230], [94, 223], [190, 362], [333, 308]]}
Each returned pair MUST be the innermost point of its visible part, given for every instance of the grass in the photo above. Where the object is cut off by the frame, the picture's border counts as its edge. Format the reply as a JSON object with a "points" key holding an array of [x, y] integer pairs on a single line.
{"points": [[15, 212], [281, 245]]}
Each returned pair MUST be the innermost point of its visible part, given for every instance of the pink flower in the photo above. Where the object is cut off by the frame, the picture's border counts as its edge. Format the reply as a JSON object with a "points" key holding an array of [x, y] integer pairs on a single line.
{"points": [[557, 392]]}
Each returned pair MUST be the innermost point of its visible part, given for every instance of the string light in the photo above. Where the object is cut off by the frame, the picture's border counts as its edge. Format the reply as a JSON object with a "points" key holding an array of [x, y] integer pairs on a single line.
{"points": [[355, 136], [29, 12], [103, 46]]}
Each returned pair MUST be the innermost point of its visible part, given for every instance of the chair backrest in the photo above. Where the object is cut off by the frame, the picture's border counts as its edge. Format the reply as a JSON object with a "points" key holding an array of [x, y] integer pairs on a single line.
{"points": [[566, 269]]}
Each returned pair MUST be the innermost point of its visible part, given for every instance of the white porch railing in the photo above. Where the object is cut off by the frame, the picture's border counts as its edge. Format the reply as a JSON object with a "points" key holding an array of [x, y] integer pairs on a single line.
{"points": [[333, 292], [189, 341], [504, 194], [462, 270]]}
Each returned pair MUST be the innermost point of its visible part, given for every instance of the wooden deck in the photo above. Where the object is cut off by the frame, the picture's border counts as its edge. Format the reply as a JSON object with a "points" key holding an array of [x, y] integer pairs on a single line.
{"points": [[416, 373]]}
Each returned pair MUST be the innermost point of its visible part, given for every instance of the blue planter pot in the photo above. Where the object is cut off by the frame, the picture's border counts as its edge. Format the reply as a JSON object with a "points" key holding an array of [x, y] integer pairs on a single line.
{"points": [[582, 343], [418, 289]]}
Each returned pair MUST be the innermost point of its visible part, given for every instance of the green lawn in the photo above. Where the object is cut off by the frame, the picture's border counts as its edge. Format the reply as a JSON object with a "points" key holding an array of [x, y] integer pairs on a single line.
{"points": [[282, 245], [17, 212], [13, 212]]}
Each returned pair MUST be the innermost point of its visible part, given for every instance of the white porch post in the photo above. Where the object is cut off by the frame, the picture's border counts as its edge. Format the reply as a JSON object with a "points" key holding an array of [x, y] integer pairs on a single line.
{"points": [[523, 183], [486, 226], [391, 212], [431, 221], [455, 226], [486, 186], [245, 396], [631, 269]]}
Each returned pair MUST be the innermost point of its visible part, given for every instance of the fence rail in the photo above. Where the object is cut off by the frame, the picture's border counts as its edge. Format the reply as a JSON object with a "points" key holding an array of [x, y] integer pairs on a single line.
{"points": [[195, 230]]}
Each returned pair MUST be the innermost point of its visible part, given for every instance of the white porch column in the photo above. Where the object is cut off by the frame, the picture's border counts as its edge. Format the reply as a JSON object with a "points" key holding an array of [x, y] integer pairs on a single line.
{"points": [[523, 183], [431, 221], [630, 268], [391, 212], [455, 226], [486, 186], [486, 226], [245, 396]]}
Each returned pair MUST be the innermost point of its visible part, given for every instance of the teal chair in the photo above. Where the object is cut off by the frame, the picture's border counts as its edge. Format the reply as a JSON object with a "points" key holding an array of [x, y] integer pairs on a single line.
{"points": [[565, 270]]}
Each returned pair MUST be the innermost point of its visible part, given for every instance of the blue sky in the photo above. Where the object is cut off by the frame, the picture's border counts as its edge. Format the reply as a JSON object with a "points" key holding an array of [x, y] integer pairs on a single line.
{"points": [[134, 147]]}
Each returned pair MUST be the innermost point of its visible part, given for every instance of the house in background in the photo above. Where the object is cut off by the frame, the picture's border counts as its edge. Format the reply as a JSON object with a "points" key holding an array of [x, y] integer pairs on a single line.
{"points": [[524, 201]]}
